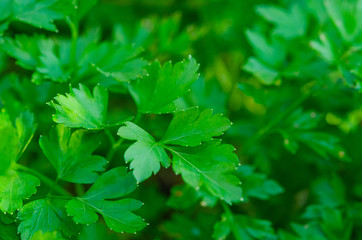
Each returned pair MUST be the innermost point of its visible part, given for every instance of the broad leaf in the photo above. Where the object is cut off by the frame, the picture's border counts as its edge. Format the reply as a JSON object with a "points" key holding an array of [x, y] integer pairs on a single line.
{"points": [[191, 128], [47, 216], [16, 186], [71, 154], [156, 92], [24, 49], [209, 165], [41, 13], [103, 198], [121, 62], [146, 154], [79, 109]]}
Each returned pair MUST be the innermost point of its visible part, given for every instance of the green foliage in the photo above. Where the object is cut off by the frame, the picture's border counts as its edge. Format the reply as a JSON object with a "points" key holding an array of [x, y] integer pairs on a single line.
{"points": [[118, 214], [71, 154], [143, 164], [109, 129], [46, 216], [80, 109], [157, 92]]}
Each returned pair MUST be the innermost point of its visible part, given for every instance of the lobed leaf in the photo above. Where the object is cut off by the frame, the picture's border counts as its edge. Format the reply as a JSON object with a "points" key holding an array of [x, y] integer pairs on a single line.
{"points": [[103, 198], [47, 216], [79, 109], [71, 154], [191, 128], [209, 165], [146, 154], [157, 92]]}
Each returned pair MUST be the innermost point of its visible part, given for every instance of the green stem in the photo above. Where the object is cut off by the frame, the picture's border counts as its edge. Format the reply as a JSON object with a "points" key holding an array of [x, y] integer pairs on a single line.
{"points": [[230, 219], [110, 136], [138, 117], [73, 26], [113, 150], [277, 120], [59, 197], [44, 179]]}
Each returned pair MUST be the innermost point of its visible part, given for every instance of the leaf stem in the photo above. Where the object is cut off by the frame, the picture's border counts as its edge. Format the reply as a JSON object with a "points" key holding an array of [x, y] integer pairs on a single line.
{"points": [[115, 145], [138, 117], [230, 219], [110, 136], [73, 26], [47, 181]]}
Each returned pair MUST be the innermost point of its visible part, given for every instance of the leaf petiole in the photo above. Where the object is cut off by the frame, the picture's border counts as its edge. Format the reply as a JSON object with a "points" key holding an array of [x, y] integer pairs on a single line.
{"points": [[44, 179]]}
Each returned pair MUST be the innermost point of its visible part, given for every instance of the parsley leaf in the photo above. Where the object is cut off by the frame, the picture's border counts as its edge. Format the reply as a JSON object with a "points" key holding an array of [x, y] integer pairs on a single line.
{"points": [[157, 92], [71, 154], [120, 62], [118, 215], [256, 184], [209, 165], [290, 23], [9, 146], [79, 109], [45, 215], [190, 127], [146, 154], [41, 13], [16, 186]]}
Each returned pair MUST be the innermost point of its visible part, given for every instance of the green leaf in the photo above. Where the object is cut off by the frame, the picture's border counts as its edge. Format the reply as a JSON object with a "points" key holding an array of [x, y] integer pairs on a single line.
{"points": [[157, 92], [79, 109], [9, 144], [191, 128], [103, 198], [16, 186], [71, 154], [209, 165], [146, 154], [290, 23], [41, 13], [47, 236], [256, 184], [346, 17], [47, 216], [246, 227], [324, 144], [50, 66], [330, 191], [14, 137], [325, 48], [264, 73], [24, 49], [121, 62], [271, 53], [311, 231]]}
